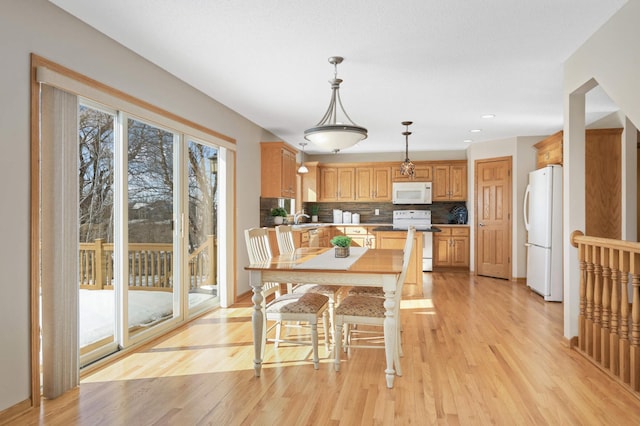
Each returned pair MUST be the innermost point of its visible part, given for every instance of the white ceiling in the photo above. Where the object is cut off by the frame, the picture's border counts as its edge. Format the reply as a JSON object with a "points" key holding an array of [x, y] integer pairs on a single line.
{"points": [[441, 64]]}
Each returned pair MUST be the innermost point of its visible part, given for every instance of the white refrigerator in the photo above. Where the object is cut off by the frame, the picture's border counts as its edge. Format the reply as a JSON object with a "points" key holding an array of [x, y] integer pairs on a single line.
{"points": [[543, 221]]}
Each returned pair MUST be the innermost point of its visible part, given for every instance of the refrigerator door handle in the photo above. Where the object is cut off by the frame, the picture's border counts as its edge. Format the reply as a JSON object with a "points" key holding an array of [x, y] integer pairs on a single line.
{"points": [[524, 207]]}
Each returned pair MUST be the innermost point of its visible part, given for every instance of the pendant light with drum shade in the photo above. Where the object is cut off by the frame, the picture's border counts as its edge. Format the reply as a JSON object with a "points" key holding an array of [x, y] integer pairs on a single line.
{"points": [[329, 133], [407, 168], [302, 169]]}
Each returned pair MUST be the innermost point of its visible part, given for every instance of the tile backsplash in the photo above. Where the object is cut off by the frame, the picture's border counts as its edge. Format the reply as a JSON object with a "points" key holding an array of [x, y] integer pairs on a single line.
{"points": [[440, 211]]}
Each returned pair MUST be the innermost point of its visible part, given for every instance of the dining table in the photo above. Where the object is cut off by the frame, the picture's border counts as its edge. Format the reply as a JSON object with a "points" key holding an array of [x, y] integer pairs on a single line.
{"points": [[318, 265]]}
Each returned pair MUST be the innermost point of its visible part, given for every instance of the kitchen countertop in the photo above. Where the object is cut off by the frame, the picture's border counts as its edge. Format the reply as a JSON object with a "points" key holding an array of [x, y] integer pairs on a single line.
{"points": [[311, 225], [391, 228]]}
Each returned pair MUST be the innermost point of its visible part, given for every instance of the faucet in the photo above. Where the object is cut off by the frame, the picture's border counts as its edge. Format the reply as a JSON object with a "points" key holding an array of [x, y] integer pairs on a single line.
{"points": [[297, 216]]}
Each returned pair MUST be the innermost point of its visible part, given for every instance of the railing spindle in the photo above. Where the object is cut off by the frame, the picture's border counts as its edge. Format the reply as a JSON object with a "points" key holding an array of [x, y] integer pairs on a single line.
{"points": [[589, 302], [597, 303], [624, 319], [614, 332], [634, 354], [606, 307], [583, 297]]}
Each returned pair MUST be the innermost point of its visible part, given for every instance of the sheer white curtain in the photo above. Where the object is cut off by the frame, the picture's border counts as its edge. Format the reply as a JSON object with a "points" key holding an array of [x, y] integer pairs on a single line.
{"points": [[59, 240]]}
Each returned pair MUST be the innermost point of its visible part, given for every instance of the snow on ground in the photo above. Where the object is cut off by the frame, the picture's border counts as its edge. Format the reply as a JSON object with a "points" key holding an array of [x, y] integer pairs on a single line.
{"points": [[97, 310]]}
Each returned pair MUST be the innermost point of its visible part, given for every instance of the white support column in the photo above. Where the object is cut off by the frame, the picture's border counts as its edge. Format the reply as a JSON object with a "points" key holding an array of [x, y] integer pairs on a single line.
{"points": [[574, 204]]}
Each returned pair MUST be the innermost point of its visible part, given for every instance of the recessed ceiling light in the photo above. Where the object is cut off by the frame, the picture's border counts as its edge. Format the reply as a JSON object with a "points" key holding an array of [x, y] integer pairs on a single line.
{"points": [[488, 116], [467, 140], [475, 130]]}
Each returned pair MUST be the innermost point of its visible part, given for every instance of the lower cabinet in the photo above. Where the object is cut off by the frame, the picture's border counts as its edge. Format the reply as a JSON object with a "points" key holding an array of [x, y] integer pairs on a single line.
{"points": [[451, 247], [361, 236], [314, 237], [396, 240]]}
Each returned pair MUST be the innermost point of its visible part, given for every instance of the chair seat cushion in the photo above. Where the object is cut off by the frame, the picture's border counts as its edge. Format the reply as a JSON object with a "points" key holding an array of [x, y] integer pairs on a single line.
{"points": [[366, 291], [362, 306], [301, 303], [327, 290]]}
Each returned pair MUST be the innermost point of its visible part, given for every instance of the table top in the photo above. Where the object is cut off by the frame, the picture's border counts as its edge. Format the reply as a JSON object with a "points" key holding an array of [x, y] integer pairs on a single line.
{"points": [[377, 261]]}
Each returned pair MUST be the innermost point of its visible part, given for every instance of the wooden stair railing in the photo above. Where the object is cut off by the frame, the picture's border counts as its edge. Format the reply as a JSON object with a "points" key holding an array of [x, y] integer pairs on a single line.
{"points": [[609, 317]]}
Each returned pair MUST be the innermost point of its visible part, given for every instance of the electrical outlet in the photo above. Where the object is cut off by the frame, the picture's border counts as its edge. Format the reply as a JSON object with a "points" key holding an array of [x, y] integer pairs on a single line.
{"points": [[377, 212]]}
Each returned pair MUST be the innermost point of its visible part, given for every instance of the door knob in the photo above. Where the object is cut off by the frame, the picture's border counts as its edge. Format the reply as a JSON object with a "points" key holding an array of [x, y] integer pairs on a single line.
{"points": [[480, 224]]}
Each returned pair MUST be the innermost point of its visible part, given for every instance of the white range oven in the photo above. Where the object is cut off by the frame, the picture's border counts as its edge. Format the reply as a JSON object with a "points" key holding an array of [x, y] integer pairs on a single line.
{"points": [[421, 220]]}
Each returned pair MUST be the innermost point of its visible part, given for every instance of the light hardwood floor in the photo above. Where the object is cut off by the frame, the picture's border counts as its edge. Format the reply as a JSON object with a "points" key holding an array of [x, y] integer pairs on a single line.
{"points": [[476, 351]]}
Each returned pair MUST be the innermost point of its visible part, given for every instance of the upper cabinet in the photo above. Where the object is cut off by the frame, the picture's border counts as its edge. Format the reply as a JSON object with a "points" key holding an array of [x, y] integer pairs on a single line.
{"points": [[278, 165], [351, 182], [424, 173], [337, 183], [450, 181], [549, 150], [373, 184]]}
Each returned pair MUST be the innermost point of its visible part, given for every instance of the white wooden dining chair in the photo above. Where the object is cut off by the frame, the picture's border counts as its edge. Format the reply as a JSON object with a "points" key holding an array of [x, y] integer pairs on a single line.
{"points": [[299, 307], [370, 311], [258, 248], [286, 244]]}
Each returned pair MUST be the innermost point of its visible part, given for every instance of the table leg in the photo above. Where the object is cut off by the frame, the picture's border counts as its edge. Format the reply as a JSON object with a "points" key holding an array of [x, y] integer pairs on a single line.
{"points": [[390, 335], [257, 319]]}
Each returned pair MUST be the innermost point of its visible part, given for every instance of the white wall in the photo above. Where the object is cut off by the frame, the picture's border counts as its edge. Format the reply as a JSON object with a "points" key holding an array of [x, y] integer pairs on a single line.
{"points": [[39, 27], [523, 155], [610, 58]]}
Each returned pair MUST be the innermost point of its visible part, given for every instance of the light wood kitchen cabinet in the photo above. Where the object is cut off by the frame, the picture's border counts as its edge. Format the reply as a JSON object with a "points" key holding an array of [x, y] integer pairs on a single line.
{"points": [[451, 247], [309, 183], [373, 183], [450, 181], [337, 183], [278, 170], [549, 150], [312, 237], [361, 236], [324, 235], [396, 240], [423, 173]]}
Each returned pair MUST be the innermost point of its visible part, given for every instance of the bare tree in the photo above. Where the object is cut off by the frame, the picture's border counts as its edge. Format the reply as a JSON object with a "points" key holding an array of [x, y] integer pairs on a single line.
{"points": [[95, 174], [150, 175]]}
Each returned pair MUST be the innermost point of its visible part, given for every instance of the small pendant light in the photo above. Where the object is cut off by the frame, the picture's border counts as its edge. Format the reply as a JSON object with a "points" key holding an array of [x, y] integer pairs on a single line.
{"points": [[407, 168], [302, 169]]}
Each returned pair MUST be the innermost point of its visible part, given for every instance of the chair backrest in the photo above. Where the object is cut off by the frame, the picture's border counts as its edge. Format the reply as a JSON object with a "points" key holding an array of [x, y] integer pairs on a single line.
{"points": [[260, 251], [408, 249], [284, 235], [257, 244]]}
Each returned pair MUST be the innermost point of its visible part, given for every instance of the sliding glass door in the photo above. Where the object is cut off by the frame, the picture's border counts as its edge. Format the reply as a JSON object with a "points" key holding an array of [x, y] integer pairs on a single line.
{"points": [[97, 301], [148, 200], [202, 245], [151, 255]]}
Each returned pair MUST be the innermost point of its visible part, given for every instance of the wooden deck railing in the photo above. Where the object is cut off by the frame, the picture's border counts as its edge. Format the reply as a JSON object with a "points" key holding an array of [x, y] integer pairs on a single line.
{"points": [[150, 266], [609, 318]]}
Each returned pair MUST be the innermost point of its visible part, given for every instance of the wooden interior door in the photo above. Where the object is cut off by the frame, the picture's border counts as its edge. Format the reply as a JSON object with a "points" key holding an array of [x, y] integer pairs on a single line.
{"points": [[493, 217]]}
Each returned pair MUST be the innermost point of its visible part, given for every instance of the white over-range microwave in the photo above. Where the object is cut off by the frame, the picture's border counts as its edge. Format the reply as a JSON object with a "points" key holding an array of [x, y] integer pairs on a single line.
{"points": [[411, 193]]}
